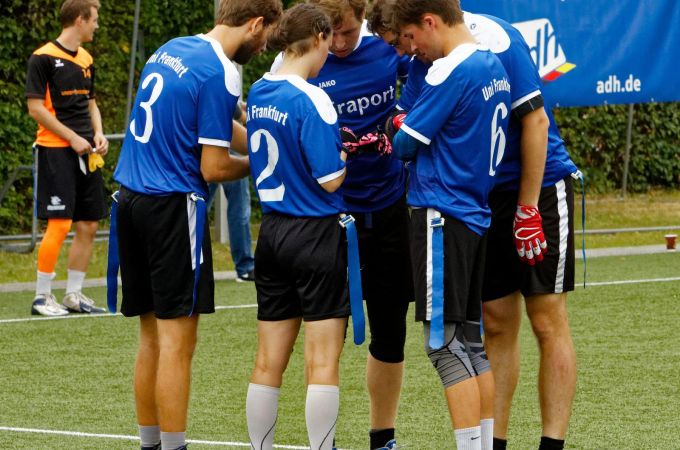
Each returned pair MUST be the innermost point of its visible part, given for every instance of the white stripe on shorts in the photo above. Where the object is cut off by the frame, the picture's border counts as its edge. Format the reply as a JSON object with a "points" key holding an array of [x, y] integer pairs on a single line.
{"points": [[191, 217], [563, 210]]}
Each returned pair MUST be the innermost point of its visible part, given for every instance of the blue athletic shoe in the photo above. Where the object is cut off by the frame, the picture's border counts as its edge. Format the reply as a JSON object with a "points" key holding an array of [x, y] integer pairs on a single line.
{"points": [[391, 445]]}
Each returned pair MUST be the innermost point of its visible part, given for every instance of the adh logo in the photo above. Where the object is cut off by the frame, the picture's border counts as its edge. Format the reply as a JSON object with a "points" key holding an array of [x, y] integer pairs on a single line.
{"points": [[545, 49], [55, 204], [58, 63]]}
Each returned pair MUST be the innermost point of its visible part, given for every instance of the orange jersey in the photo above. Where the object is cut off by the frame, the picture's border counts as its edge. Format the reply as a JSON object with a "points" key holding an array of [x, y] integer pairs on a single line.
{"points": [[65, 81]]}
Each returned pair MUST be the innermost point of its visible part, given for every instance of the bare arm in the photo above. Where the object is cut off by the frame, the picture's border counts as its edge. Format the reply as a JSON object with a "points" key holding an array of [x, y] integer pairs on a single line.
{"points": [[102, 144], [239, 138], [39, 113], [334, 184], [534, 148], [218, 165]]}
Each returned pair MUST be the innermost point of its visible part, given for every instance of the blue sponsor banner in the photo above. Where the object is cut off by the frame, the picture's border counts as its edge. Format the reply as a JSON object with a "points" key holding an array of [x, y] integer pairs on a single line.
{"points": [[594, 52]]}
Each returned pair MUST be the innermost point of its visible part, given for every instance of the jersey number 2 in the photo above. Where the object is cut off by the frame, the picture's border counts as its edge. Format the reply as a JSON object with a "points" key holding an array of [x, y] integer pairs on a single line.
{"points": [[497, 139], [146, 106], [267, 195]]}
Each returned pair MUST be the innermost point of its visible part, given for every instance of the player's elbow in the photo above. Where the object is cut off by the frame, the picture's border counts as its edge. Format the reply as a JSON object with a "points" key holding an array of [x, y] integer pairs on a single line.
{"points": [[334, 184], [404, 147], [536, 121]]}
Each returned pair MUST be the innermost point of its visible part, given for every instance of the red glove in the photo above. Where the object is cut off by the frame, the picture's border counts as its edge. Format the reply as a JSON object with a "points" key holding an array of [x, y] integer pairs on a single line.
{"points": [[528, 232], [393, 123]]}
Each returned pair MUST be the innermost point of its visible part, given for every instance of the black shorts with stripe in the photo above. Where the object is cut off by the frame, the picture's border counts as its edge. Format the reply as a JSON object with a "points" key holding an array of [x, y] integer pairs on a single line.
{"points": [[504, 272], [64, 190], [301, 268], [156, 238], [464, 252]]}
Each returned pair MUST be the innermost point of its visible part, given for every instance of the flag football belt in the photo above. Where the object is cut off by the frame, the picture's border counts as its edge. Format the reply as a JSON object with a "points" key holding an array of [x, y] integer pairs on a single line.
{"points": [[356, 297], [114, 261], [578, 175], [437, 317]]}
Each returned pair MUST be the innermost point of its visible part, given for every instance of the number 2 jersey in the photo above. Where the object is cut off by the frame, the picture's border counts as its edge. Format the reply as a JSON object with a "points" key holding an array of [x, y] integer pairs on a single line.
{"points": [[461, 117], [187, 94], [294, 146]]}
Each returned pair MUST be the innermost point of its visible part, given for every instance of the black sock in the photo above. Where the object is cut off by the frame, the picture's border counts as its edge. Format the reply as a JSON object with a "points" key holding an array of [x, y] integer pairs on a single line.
{"points": [[381, 437], [551, 444], [499, 444]]}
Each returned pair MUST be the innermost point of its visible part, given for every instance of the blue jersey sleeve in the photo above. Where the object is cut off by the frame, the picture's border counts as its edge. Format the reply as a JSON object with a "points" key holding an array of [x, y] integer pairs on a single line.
{"points": [[435, 105], [321, 145], [522, 71], [215, 110]]}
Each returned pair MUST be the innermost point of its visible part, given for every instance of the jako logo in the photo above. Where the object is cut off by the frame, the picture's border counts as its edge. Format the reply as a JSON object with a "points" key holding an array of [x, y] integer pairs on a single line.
{"points": [[325, 84], [546, 51]]}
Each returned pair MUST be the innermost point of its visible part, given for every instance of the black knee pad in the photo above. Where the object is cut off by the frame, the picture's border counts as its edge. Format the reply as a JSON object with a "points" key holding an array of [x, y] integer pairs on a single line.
{"points": [[473, 340], [388, 330], [452, 361]]}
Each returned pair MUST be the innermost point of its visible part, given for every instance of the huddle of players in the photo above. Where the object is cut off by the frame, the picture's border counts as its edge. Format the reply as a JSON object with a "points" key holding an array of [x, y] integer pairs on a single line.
{"points": [[459, 140]]}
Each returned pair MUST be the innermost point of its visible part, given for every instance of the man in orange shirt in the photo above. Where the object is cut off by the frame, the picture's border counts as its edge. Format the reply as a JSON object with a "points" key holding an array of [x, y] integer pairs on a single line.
{"points": [[69, 146]]}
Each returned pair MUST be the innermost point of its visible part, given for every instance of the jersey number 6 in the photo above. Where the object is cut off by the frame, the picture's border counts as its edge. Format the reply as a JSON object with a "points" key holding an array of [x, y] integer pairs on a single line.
{"points": [[497, 139]]}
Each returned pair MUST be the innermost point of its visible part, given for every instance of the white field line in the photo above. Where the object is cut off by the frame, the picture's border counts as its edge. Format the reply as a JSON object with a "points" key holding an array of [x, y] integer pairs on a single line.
{"points": [[217, 308], [90, 316], [135, 438]]}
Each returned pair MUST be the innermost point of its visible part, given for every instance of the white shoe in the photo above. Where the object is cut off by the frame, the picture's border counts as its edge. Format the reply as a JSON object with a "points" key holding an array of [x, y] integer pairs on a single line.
{"points": [[79, 302], [46, 305]]}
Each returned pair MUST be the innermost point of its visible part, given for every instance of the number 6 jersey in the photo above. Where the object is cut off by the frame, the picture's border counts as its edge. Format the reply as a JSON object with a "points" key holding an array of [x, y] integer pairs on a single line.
{"points": [[187, 93], [461, 117], [294, 146]]}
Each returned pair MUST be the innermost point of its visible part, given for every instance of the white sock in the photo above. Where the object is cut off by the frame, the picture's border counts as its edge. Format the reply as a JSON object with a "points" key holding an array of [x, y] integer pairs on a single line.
{"points": [[149, 435], [43, 285], [321, 412], [469, 438], [172, 440], [262, 404], [74, 282], [487, 433]]}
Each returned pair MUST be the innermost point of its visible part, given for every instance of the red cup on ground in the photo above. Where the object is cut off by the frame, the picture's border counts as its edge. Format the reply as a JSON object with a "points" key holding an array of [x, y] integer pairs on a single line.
{"points": [[670, 241]]}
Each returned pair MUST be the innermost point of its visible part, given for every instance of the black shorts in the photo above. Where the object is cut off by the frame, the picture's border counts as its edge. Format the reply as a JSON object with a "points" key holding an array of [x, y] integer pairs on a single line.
{"points": [[505, 273], [464, 252], [64, 191], [385, 255], [156, 259], [301, 268]]}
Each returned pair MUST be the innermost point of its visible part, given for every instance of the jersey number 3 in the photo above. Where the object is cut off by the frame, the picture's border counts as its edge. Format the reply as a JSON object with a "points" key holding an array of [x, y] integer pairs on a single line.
{"points": [[267, 195], [497, 139], [146, 106]]}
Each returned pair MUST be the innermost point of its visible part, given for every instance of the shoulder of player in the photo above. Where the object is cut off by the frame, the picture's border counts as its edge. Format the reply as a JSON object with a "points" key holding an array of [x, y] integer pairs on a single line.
{"points": [[490, 31], [442, 69], [224, 66], [317, 96]]}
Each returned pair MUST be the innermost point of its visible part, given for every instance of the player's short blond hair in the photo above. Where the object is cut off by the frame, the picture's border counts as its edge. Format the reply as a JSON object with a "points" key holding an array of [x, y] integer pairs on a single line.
{"points": [[336, 9]]}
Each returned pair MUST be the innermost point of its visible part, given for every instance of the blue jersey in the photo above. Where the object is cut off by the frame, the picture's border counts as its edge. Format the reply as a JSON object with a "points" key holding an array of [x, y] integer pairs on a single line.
{"points": [[461, 118], [510, 47], [187, 94], [363, 87], [294, 146], [414, 84]]}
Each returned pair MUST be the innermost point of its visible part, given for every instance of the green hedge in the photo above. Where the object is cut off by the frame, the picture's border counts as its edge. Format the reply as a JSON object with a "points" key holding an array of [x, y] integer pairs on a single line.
{"points": [[595, 136]]}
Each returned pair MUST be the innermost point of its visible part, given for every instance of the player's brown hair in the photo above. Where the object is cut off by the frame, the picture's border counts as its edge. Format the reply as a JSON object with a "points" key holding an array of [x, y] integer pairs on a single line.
{"points": [[298, 25], [410, 12], [379, 16], [336, 9], [235, 13], [72, 9]]}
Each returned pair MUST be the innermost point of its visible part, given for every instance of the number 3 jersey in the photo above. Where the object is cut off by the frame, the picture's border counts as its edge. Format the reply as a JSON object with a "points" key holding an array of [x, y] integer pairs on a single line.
{"points": [[187, 94], [294, 146], [461, 116]]}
